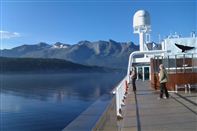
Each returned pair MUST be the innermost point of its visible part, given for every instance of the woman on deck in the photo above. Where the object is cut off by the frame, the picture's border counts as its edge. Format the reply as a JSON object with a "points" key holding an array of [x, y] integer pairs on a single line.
{"points": [[163, 78], [134, 77]]}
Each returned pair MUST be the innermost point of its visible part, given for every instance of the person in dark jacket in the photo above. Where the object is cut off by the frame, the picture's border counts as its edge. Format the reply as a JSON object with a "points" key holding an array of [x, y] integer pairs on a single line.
{"points": [[163, 78], [133, 77]]}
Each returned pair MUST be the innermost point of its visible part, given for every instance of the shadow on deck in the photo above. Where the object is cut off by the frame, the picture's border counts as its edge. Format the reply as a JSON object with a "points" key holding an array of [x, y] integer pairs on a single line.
{"points": [[144, 112]]}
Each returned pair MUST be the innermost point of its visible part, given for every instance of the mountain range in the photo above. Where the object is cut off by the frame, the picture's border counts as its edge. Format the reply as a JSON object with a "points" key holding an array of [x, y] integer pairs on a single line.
{"points": [[100, 53]]}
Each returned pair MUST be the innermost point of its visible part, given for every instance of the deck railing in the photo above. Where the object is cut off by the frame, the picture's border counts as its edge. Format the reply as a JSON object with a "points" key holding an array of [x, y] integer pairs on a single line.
{"points": [[181, 68], [179, 63], [120, 92], [121, 89]]}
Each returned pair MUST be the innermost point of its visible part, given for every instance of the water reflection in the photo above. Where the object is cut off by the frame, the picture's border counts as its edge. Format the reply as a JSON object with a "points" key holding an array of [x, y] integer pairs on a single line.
{"points": [[49, 102]]}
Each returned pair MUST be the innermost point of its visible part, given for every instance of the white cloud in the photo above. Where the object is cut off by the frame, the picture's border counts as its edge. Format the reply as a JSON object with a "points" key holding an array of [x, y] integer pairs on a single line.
{"points": [[8, 35]]}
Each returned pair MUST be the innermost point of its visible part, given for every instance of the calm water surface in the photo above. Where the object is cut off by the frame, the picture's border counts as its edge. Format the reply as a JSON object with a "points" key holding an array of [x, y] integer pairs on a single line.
{"points": [[49, 101]]}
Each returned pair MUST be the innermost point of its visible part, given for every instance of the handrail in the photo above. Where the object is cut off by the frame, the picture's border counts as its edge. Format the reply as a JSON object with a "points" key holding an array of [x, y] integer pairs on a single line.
{"points": [[120, 92], [121, 89], [113, 91], [179, 62], [141, 52]]}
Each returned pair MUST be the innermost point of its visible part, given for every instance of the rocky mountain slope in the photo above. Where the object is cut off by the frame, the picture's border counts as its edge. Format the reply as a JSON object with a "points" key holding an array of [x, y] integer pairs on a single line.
{"points": [[101, 53]]}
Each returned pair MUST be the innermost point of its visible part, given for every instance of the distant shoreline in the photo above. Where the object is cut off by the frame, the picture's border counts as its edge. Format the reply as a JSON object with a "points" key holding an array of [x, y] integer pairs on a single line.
{"points": [[48, 66]]}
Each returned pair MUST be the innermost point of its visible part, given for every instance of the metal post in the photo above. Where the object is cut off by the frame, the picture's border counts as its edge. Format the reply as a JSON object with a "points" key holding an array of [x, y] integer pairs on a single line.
{"points": [[143, 73], [168, 64], [117, 103], [184, 63], [192, 63], [137, 73], [175, 64], [149, 73]]}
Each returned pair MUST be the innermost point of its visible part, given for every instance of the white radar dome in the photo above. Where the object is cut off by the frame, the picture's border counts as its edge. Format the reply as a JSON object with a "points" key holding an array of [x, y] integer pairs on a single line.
{"points": [[141, 20]]}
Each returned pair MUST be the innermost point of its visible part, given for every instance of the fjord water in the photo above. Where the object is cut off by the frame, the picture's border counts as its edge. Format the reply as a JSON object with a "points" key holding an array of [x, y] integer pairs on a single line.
{"points": [[49, 101]]}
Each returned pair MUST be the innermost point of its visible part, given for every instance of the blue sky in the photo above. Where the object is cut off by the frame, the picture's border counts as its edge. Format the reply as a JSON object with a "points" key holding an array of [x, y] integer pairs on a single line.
{"points": [[70, 21]]}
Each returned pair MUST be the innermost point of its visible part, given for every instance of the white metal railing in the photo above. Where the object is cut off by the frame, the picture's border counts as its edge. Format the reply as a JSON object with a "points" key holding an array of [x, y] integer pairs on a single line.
{"points": [[120, 92], [180, 62], [121, 89], [141, 52]]}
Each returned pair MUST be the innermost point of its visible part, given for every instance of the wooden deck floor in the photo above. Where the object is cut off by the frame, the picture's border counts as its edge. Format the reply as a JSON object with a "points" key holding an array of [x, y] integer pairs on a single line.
{"points": [[144, 112]]}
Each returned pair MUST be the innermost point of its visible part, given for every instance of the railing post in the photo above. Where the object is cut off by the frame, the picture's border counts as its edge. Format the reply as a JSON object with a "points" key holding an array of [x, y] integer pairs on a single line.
{"points": [[192, 63], [184, 63], [175, 63], [168, 64], [118, 103], [120, 99]]}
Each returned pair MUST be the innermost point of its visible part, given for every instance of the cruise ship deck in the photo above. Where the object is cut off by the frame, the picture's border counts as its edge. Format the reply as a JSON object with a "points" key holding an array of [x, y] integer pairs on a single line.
{"points": [[144, 112]]}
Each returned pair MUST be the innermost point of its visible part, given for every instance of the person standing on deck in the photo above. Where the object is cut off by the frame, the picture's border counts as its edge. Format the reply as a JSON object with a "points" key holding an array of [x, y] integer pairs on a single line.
{"points": [[133, 77], [163, 78]]}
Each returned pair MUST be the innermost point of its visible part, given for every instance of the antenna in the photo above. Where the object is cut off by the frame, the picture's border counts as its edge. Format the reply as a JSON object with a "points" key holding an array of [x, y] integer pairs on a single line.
{"points": [[141, 26]]}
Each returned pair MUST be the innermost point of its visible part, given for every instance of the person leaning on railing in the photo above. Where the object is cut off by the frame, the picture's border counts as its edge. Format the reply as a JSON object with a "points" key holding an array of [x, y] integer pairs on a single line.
{"points": [[163, 78], [133, 77]]}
